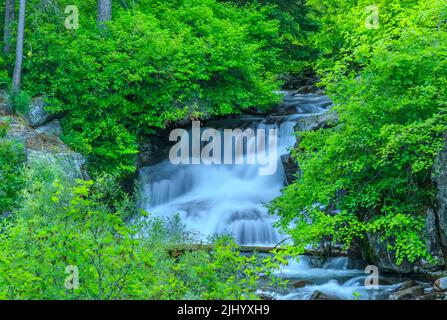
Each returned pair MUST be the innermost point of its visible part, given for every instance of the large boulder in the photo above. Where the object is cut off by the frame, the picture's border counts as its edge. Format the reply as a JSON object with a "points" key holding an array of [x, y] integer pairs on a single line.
{"points": [[37, 115], [433, 243], [47, 146], [376, 251]]}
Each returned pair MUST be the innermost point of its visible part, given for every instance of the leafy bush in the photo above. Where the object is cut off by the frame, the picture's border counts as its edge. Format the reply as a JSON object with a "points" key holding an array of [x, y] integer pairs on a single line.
{"points": [[156, 63], [12, 159]]}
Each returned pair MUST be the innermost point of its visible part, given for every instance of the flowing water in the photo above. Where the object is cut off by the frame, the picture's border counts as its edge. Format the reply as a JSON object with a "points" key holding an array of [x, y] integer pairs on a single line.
{"points": [[229, 199]]}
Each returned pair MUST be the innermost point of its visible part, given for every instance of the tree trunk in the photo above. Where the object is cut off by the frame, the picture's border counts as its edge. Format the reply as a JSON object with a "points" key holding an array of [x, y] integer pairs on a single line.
{"points": [[16, 80], [9, 18], [104, 12]]}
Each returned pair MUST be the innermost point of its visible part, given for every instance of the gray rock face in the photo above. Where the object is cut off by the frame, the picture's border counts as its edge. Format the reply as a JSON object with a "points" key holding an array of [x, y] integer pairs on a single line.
{"points": [[37, 115], [435, 233], [72, 163], [47, 147], [52, 128], [383, 258], [315, 122], [4, 107], [440, 178], [433, 243]]}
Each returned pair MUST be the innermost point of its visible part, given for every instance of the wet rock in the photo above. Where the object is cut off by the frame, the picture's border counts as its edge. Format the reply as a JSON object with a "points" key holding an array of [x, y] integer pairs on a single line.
{"points": [[71, 162], [4, 106], [303, 104], [266, 296], [52, 128], [300, 283], [407, 285], [439, 177], [290, 169], [153, 150], [318, 295], [285, 110], [434, 296], [412, 293], [440, 284], [433, 243], [376, 251], [316, 122], [37, 115]]}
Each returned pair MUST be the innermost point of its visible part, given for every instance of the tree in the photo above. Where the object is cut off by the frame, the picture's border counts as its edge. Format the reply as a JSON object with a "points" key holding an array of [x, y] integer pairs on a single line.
{"points": [[104, 12], [16, 80], [9, 18]]}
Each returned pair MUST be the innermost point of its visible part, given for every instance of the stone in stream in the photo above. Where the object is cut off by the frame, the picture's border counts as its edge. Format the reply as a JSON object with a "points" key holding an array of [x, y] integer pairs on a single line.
{"points": [[47, 147], [52, 128], [318, 295], [301, 284], [316, 122], [440, 284], [266, 296]]}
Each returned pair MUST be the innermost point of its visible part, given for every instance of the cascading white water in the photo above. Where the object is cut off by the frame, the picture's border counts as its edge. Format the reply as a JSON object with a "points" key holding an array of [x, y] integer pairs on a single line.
{"points": [[228, 199]]}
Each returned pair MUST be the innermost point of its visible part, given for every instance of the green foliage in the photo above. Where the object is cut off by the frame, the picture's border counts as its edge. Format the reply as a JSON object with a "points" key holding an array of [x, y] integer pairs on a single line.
{"points": [[4, 79], [373, 166], [296, 25], [19, 101], [62, 224], [12, 157], [4, 127], [156, 63]]}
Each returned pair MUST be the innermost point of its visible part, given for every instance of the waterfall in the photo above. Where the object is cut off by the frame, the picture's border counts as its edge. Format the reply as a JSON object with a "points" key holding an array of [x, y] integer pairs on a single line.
{"points": [[229, 199]]}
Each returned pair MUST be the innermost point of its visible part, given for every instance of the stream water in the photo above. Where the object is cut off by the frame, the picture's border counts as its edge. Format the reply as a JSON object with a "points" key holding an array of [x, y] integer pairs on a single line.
{"points": [[229, 199]]}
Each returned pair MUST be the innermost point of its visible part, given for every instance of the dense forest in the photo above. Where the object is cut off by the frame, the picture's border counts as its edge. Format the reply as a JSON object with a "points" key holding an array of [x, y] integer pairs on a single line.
{"points": [[113, 74]]}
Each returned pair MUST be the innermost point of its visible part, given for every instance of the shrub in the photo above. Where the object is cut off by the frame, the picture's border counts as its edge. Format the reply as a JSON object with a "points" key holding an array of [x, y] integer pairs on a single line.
{"points": [[80, 226], [12, 157], [374, 166]]}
